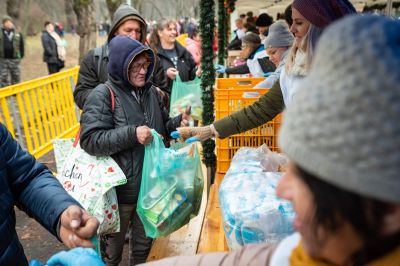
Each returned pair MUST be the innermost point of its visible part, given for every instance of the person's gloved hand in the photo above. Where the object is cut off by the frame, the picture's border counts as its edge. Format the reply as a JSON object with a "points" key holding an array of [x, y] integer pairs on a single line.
{"points": [[76, 257], [192, 134], [220, 69], [266, 75], [35, 263]]}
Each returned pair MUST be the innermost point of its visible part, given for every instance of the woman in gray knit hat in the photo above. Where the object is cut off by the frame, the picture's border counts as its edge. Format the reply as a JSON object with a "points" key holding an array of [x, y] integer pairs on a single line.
{"points": [[277, 45], [310, 17], [342, 133]]}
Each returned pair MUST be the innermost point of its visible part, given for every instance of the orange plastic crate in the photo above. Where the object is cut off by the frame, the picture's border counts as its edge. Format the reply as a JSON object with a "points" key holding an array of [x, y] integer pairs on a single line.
{"points": [[230, 98]]}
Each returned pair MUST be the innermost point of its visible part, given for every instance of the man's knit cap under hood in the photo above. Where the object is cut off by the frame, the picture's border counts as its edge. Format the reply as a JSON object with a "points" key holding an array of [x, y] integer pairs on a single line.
{"points": [[124, 13]]}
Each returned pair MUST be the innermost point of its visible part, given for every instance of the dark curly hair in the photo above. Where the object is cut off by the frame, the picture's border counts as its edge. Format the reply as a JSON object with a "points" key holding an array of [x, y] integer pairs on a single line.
{"points": [[335, 206]]}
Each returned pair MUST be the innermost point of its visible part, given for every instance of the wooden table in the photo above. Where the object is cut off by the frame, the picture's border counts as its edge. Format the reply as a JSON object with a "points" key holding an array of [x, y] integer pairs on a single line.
{"points": [[185, 240], [204, 233], [212, 234]]}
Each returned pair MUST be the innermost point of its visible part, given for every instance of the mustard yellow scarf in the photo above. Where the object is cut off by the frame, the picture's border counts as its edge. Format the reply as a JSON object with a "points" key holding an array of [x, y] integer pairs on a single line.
{"points": [[300, 258]]}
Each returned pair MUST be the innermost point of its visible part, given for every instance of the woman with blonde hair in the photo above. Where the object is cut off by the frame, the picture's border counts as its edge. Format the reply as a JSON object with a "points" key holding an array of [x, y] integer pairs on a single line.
{"points": [[310, 18]]}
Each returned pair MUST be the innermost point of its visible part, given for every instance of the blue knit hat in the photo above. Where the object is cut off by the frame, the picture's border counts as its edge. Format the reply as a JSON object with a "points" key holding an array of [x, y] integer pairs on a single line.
{"points": [[343, 125]]}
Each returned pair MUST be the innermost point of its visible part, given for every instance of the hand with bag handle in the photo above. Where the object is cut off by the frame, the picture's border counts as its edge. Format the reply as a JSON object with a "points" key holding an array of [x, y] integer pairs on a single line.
{"points": [[143, 135], [186, 118]]}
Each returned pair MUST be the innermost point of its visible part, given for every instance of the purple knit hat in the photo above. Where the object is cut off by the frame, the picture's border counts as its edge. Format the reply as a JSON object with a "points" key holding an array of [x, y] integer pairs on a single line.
{"points": [[322, 13]]}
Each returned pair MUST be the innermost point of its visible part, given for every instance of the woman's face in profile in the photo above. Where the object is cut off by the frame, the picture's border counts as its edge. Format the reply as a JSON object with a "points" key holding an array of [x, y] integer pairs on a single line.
{"points": [[299, 27]]}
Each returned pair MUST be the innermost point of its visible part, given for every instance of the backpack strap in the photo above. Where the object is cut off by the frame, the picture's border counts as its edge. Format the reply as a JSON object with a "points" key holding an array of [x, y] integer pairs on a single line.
{"points": [[98, 52], [112, 96]]}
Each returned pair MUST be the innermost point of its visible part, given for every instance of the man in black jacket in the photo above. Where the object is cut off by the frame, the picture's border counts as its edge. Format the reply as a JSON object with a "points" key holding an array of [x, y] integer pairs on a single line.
{"points": [[126, 21], [121, 132], [11, 53]]}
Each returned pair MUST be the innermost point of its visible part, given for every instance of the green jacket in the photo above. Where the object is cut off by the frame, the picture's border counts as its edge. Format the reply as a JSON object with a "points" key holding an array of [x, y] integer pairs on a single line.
{"points": [[18, 45], [264, 110]]}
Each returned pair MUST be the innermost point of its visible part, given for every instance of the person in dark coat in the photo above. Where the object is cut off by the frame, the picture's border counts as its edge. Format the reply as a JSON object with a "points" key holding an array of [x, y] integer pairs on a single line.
{"points": [[174, 58], [53, 51], [93, 68], [11, 53], [30, 186], [123, 132]]}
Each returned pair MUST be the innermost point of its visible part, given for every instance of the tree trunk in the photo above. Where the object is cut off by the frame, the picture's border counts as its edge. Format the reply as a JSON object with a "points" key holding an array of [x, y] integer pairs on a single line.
{"points": [[87, 30], [13, 8], [112, 5], [27, 26], [69, 13], [137, 4]]}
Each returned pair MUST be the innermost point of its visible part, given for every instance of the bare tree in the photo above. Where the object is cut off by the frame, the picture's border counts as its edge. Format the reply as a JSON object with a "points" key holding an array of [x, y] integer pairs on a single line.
{"points": [[84, 10], [69, 12], [112, 5], [13, 8]]}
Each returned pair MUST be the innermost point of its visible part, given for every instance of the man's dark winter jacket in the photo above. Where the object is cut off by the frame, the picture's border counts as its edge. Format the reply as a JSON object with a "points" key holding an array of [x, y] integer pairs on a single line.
{"points": [[11, 49], [31, 186], [107, 132], [92, 74], [186, 65]]}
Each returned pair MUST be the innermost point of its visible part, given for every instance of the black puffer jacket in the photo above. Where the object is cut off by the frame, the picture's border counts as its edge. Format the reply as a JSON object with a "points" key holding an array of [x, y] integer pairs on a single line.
{"points": [[91, 73], [104, 132], [50, 54], [186, 65]]}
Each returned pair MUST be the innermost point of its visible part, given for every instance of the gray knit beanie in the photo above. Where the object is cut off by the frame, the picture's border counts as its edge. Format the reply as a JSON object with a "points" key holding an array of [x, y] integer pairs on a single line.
{"points": [[343, 125], [251, 39], [279, 35]]}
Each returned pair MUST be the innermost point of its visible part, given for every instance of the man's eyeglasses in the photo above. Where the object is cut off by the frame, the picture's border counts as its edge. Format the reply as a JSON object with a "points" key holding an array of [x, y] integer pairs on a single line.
{"points": [[138, 66]]}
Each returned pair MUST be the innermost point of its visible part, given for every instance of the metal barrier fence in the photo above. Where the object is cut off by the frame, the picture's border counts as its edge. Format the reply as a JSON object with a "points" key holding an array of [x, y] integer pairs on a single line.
{"points": [[40, 110]]}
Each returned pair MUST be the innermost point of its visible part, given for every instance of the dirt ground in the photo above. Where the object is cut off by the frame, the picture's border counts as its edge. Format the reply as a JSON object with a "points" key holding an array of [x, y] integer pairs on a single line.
{"points": [[37, 242], [32, 65]]}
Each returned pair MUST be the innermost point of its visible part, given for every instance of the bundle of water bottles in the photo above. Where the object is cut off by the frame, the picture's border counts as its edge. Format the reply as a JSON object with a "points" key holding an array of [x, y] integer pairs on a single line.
{"points": [[251, 211]]}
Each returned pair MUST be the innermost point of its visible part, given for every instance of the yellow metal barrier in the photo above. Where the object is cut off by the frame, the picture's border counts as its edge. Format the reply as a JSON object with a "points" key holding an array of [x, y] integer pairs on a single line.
{"points": [[40, 110]]}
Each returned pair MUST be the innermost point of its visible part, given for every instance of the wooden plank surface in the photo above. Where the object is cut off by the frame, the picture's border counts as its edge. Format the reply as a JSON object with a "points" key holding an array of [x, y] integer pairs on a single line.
{"points": [[185, 240], [212, 237]]}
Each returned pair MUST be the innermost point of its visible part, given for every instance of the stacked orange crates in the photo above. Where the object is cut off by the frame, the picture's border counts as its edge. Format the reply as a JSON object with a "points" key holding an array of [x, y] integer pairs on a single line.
{"points": [[231, 95]]}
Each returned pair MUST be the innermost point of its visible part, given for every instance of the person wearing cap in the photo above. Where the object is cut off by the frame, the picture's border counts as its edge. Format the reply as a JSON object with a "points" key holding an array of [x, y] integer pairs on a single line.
{"points": [[121, 132], [257, 62], [342, 136], [262, 23], [11, 53], [93, 69], [277, 45], [310, 18]]}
